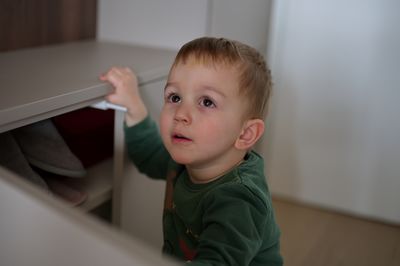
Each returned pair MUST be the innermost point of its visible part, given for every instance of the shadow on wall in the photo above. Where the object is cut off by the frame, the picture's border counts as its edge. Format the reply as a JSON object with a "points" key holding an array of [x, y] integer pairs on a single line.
{"points": [[283, 157]]}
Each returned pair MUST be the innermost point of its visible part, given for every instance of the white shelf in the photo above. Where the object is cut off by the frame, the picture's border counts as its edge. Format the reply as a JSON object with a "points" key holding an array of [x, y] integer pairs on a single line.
{"points": [[97, 183], [43, 82]]}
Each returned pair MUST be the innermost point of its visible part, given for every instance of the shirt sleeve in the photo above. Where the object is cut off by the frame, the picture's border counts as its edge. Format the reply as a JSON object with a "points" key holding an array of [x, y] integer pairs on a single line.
{"points": [[146, 150], [234, 227]]}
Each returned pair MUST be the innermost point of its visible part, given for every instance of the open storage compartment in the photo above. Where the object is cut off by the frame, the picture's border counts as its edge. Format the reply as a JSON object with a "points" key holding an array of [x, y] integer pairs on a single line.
{"points": [[45, 82]]}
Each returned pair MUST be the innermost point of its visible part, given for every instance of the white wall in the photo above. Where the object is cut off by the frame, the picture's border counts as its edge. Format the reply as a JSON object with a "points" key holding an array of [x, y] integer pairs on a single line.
{"points": [[245, 21], [157, 23], [172, 23], [334, 129]]}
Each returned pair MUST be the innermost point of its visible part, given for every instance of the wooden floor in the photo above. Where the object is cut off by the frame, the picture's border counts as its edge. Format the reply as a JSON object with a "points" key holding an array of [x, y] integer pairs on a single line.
{"points": [[315, 237]]}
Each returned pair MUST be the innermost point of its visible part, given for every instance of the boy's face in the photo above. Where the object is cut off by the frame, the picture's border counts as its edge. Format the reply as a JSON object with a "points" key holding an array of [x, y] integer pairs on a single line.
{"points": [[203, 113]]}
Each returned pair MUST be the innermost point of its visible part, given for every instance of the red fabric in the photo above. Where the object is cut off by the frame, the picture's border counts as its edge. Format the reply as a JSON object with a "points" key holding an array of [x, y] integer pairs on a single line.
{"points": [[88, 132], [188, 253]]}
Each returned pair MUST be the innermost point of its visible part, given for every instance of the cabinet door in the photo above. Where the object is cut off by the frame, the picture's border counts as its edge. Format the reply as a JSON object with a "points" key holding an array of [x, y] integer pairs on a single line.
{"points": [[36, 229], [142, 197]]}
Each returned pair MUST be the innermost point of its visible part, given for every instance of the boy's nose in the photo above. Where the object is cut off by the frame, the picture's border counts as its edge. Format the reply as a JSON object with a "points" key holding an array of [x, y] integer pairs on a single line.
{"points": [[183, 114]]}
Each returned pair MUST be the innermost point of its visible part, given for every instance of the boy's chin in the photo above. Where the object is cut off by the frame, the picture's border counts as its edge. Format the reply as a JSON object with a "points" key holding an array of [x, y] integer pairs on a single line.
{"points": [[181, 159]]}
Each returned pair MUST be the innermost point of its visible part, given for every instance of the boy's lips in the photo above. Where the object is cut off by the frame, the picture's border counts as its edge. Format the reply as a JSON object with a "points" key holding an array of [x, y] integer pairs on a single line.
{"points": [[180, 138]]}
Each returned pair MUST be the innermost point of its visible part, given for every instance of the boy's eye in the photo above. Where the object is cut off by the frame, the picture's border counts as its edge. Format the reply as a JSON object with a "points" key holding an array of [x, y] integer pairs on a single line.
{"points": [[174, 98], [207, 103]]}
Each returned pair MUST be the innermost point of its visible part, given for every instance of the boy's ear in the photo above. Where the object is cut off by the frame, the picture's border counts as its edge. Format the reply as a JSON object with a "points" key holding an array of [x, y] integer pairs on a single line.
{"points": [[251, 132]]}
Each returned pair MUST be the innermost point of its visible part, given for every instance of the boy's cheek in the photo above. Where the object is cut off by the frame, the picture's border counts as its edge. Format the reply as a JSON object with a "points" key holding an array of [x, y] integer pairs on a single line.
{"points": [[164, 125], [166, 115]]}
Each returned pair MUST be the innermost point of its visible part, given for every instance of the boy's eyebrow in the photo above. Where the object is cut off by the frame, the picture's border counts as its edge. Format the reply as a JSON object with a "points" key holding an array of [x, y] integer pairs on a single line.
{"points": [[205, 87], [215, 90], [168, 84]]}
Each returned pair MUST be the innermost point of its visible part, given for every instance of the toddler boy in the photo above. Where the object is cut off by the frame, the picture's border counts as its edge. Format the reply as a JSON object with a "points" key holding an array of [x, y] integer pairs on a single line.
{"points": [[217, 209]]}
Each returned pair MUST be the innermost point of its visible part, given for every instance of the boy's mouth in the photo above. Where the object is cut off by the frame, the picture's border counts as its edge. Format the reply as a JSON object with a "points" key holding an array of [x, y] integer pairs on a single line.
{"points": [[176, 137]]}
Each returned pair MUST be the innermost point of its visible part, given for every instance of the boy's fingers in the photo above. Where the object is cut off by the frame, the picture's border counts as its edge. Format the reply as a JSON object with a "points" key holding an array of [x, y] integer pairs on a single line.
{"points": [[121, 78], [103, 77], [113, 77], [109, 98], [112, 98]]}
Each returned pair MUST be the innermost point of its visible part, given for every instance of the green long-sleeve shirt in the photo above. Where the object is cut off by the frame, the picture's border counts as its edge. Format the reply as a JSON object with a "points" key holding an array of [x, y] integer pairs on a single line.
{"points": [[229, 221]]}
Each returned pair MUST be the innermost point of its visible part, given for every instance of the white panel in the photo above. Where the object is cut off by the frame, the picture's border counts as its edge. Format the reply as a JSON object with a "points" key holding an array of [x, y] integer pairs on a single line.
{"points": [[36, 229], [334, 126], [245, 21], [143, 198], [157, 23]]}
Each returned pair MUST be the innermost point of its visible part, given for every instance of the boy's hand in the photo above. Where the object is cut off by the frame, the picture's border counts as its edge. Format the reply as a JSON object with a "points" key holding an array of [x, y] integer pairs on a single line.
{"points": [[126, 93]]}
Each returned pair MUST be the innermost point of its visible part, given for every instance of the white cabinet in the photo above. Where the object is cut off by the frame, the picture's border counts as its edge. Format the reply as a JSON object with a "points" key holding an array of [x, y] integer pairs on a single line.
{"points": [[43, 82], [143, 197], [36, 230], [40, 83]]}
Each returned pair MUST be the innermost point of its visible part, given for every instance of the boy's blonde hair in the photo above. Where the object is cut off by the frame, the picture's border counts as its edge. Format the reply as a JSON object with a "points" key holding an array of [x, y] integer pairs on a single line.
{"points": [[255, 81]]}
